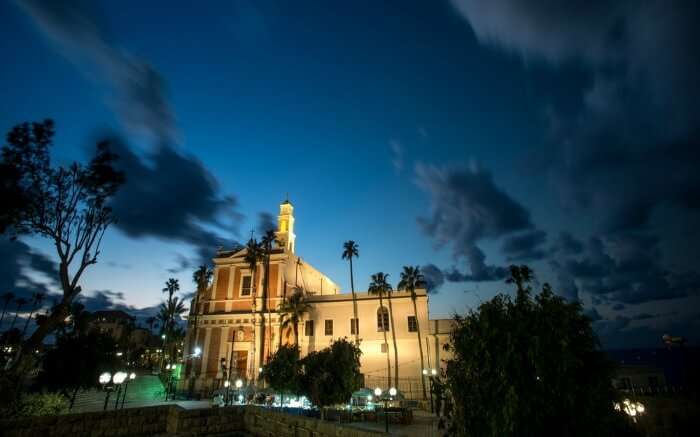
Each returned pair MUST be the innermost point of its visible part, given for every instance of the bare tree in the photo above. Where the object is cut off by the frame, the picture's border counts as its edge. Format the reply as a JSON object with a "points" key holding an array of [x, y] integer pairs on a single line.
{"points": [[67, 205]]}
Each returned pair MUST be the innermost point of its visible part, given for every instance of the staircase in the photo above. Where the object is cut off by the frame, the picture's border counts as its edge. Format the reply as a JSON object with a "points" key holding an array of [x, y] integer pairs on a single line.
{"points": [[143, 391]]}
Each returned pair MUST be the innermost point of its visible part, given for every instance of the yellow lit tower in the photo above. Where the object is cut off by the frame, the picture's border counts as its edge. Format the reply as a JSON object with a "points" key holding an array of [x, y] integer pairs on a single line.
{"points": [[285, 226]]}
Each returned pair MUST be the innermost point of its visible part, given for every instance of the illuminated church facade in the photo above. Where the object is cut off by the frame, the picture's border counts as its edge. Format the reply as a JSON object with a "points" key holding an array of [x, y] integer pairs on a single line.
{"points": [[231, 332]]}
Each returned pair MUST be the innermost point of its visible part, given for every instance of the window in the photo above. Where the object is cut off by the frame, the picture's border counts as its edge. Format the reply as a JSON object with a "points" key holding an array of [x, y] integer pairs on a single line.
{"points": [[385, 348], [246, 285], [354, 326], [412, 325], [240, 336], [329, 327], [382, 319], [309, 328]]}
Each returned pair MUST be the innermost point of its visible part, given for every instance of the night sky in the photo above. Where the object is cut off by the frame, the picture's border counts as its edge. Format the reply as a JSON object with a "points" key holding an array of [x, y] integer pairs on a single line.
{"points": [[461, 136]]}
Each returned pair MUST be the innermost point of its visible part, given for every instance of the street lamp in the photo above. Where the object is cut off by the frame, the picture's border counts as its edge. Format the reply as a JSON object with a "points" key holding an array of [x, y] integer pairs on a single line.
{"points": [[432, 373], [227, 384], [132, 376], [118, 378], [378, 394], [238, 384], [197, 351], [104, 379]]}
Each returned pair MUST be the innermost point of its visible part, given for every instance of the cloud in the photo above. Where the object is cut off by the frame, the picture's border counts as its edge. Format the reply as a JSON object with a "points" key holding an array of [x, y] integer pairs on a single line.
{"points": [[138, 90], [433, 277], [173, 197], [397, 155], [566, 244], [466, 207], [526, 246], [266, 222], [19, 269]]}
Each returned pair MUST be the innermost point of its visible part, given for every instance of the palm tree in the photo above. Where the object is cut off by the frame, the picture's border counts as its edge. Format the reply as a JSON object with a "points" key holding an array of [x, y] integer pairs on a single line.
{"points": [[20, 303], [202, 278], [36, 301], [379, 285], [267, 241], [350, 250], [253, 256], [411, 278], [7, 297], [172, 286], [292, 311]]}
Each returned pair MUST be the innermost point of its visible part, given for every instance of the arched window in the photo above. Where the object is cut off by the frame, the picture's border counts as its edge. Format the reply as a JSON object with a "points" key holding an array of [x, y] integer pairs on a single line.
{"points": [[382, 319]]}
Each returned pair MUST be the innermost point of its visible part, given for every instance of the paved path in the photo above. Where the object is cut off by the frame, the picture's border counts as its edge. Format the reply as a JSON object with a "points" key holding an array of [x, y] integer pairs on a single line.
{"points": [[144, 391]]}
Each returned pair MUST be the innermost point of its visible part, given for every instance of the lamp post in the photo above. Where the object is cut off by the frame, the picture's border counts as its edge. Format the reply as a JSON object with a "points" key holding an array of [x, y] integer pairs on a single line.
{"points": [[386, 399], [132, 376], [239, 384], [227, 385], [118, 379], [162, 354], [105, 378], [432, 373]]}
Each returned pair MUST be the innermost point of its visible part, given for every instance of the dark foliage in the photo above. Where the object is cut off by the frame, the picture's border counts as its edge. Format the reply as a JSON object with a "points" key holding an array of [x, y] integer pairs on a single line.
{"points": [[530, 366], [283, 371], [331, 375]]}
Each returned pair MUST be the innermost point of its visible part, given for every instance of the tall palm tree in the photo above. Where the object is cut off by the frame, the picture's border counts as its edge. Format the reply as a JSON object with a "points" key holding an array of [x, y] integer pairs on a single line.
{"points": [[172, 286], [411, 278], [36, 301], [292, 311], [267, 242], [7, 297], [350, 251], [202, 278], [168, 311], [20, 303], [380, 286], [253, 256]]}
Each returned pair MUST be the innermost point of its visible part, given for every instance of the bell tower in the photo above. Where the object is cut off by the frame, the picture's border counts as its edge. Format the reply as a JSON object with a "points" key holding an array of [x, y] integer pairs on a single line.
{"points": [[285, 226]]}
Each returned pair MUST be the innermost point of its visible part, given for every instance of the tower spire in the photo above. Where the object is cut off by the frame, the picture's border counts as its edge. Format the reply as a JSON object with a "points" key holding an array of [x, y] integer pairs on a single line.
{"points": [[285, 225]]}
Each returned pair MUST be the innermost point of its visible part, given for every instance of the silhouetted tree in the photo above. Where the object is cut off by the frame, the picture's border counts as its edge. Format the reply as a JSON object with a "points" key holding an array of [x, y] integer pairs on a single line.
{"points": [[37, 298], [253, 256], [7, 297], [411, 278], [331, 375], [172, 286], [267, 244], [292, 311], [380, 286], [529, 366], [20, 302], [350, 251], [283, 371], [68, 205]]}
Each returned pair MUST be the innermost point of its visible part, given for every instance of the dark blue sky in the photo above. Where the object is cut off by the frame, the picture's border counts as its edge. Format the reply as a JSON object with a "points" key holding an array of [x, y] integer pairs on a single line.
{"points": [[461, 136]]}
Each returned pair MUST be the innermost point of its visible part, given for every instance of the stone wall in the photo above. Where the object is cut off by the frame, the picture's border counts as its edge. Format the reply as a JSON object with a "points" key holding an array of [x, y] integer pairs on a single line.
{"points": [[173, 420]]}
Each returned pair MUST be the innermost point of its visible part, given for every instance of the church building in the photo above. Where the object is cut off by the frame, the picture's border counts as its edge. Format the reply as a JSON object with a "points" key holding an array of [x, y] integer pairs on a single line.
{"points": [[231, 331]]}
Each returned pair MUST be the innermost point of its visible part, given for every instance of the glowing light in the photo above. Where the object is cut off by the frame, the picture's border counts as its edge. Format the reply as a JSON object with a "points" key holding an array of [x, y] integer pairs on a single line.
{"points": [[377, 392], [240, 398], [226, 384], [369, 398], [425, 371], [119, 377], [239, 383], [392, 391], [433, 371], [132, 376], [260, 369], [105, 378], [197, 351]]}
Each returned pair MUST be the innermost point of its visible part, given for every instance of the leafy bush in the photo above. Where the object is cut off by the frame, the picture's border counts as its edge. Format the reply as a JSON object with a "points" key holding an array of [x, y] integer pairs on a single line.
{"points": [[38, 404], [529, 366]]}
